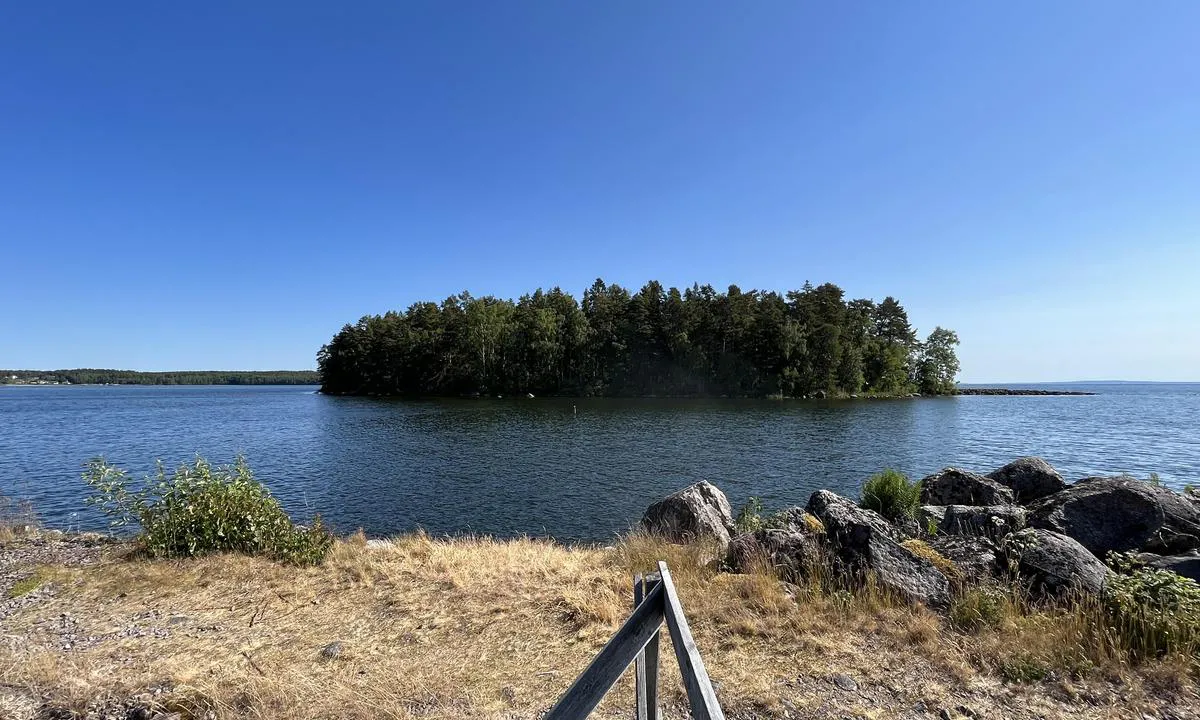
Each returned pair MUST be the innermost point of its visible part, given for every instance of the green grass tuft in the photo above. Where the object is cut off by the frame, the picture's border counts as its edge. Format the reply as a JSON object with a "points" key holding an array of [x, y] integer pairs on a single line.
{"points": [[891, 494], [26, 586], [979, 607]]}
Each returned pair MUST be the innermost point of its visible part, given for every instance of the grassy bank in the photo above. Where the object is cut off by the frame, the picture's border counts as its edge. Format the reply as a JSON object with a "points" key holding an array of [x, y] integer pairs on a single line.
{"points": [[473, 627]]}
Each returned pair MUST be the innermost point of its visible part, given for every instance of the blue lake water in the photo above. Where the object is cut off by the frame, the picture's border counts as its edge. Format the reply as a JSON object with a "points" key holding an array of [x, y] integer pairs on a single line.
{"points": [[569, 468]]}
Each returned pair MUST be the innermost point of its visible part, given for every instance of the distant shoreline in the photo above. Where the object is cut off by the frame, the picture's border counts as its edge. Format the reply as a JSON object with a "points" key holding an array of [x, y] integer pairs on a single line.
{"points": [[96, 376], [1009, 391]]}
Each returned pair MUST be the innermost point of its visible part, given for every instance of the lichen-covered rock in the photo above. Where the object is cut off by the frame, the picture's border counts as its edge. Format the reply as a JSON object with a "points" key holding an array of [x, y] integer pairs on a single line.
{"points": [[930, 518], [907, 527], [1052, 564], [974, 556], [1121, 514], [864, 542], [1030, 478], [994, 521], [698, 512], [953, 486], [798, 519]]}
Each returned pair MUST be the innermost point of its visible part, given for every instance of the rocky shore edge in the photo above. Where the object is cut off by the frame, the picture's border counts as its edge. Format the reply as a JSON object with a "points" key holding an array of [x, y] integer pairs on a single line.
{"points": [[1020, 522]]}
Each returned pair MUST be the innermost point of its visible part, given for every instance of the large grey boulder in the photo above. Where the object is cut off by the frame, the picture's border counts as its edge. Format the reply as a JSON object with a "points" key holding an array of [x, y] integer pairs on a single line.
{"points": [[1121, 513], [790, 552], [1053, 564], [994, 521], [798, 519], [974, 556], [791, 546], [1030, 478], [698, 512], [953, 486], [841, 515], [864, 542]]}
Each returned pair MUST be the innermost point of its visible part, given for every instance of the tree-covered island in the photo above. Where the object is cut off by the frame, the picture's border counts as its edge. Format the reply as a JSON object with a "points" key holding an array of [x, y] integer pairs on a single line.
{"points": [[655, 342]]}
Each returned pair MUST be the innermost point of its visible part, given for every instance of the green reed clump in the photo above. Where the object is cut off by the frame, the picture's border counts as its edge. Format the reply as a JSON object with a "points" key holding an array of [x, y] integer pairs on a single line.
{"points": [[891, 494], [976, 608], [202, 508]]}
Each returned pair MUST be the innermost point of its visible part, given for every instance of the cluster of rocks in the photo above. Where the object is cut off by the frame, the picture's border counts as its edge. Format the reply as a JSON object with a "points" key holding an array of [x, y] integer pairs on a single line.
{"points": [[1022, 520]]}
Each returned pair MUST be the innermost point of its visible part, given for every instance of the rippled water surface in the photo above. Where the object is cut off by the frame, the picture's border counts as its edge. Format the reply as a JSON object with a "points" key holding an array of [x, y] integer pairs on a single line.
{"points": [[573, 469]]}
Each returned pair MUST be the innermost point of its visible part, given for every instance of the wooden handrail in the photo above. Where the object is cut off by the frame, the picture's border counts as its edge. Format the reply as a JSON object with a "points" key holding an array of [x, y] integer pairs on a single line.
{"points": [[655, 602]]}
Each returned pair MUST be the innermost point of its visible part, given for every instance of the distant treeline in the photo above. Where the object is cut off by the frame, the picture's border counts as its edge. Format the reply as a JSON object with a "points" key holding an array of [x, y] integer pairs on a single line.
{"points": [[90, 376], [695, 342]]}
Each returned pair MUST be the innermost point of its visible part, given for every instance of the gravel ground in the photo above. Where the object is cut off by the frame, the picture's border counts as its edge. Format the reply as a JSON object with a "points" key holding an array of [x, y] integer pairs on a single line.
{"points": [[52, 547], [21, 560], [33, 558]]}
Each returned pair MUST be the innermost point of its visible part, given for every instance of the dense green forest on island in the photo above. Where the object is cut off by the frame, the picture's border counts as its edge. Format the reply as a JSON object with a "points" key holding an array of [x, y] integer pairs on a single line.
{"points": [[657, 341], [90, 376]]}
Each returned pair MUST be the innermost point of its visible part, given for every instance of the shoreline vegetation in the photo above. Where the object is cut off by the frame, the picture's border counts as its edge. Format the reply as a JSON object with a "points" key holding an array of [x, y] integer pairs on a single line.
{"points": [[59, 378], [960, 596], [91, 376], [695, 342]]}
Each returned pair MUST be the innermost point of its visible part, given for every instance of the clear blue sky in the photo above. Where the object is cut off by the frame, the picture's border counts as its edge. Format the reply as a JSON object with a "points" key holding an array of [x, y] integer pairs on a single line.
{"points": [[223, 185]]}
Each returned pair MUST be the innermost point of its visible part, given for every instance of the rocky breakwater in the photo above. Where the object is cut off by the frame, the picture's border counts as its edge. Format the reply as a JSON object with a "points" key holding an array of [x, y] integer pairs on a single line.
{"points": [[1011, 391], [1021, 523]]}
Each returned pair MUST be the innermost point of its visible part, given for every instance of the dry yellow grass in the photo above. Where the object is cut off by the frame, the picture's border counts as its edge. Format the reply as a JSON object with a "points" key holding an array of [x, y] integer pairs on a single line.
{"points": [[474, 627]]}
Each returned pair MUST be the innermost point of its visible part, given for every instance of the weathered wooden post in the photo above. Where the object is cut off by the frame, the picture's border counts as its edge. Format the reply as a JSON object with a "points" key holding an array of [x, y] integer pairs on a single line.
{"points": [[636, 644], [646, 668]]}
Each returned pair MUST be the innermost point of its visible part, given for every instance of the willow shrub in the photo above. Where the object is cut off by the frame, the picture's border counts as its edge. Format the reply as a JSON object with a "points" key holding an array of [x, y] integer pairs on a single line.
{"points": [[891, 494], [202, 508]]}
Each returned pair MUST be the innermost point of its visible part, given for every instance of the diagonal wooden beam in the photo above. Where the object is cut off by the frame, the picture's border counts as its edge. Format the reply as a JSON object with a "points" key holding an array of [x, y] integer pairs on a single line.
{"points": [[589, 688], [701, 696]]}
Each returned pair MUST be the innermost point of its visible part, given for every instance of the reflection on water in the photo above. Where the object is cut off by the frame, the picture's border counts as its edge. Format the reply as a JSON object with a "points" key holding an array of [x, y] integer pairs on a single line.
{"points": [[571, 468]]}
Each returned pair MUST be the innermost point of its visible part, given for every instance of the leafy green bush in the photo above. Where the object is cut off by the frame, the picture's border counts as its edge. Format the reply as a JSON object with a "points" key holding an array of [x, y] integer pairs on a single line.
{"points": [[891, 494], [203, 508], [1154, 612], [749, 517]]}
